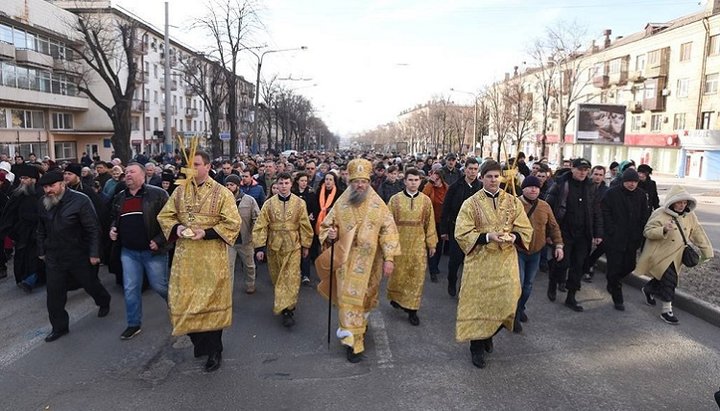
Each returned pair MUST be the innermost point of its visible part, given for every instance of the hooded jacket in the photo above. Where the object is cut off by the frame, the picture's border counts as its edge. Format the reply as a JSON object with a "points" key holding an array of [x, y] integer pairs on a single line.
{"points": [[660, 248]]}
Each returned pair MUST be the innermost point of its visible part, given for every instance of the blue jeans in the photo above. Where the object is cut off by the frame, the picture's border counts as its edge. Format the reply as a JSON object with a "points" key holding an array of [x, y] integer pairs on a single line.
{"points": [[134, 264], [529, 265]]}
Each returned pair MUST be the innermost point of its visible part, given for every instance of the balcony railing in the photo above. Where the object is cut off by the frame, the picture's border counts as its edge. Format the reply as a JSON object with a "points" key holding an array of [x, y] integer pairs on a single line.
{"points": [[139, 106], [191, 112]]}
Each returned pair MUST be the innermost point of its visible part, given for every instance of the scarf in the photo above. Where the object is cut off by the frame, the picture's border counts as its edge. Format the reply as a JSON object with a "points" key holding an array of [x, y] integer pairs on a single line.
{"points": [[325, 204]]}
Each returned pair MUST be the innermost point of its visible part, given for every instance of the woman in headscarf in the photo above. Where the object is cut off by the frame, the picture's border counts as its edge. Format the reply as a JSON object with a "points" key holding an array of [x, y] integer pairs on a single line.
{"points": [[661, 256]]}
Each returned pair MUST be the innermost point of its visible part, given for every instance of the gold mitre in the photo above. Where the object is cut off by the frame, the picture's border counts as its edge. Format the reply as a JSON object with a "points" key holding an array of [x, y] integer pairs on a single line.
{"points": [[359, 168]]}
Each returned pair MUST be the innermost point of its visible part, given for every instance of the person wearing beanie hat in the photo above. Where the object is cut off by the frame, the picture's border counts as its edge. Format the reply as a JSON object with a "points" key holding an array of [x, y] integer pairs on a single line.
{"points": [[168, 180], [625, 212], [359, 216], [544, 226], [232, 178], [649, 186]]}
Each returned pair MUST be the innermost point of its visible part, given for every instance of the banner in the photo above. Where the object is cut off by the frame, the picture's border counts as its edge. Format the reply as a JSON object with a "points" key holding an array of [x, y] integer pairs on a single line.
{"points": [[600, 124]]}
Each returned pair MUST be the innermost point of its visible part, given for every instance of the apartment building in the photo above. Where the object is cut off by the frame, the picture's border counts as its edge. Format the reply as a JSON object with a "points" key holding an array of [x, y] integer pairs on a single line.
{"points": [[41, 110], [667, 78]]}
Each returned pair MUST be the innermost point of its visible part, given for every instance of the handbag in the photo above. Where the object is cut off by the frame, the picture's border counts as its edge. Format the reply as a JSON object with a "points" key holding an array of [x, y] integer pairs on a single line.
{"points": [[690, 257]]}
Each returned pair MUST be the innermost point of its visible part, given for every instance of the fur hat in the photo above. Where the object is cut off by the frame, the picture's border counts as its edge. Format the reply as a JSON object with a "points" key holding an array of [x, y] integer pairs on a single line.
{"points": [[51, 178]]}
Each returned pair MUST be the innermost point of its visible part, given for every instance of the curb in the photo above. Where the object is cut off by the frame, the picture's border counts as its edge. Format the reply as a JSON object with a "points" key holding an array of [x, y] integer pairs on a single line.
{"points": [[693, 305]]}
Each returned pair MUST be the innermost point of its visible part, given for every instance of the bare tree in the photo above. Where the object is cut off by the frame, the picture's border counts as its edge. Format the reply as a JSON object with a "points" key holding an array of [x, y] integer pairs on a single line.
{"points": [[519, 108], [544, 71], [108, 45], [565, 43], [230, 23], [206, 79], [494, 98]]}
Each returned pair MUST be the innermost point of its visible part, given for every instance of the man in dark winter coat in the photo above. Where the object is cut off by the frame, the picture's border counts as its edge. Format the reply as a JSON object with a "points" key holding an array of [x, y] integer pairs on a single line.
{"points": [[450, 173], [391, 185], [600, 187], [649, 186], [625, 212], [68, 240], [576, 211], [456, 195], [19, 221]]}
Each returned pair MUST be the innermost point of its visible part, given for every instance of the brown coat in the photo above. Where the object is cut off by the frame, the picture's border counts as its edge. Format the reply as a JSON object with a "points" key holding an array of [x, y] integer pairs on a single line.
{"points": [[543, 224], [660, 248]]}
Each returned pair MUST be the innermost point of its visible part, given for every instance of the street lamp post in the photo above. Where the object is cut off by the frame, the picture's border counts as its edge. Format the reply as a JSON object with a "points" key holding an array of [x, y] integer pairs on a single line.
{"points": [[475, 118], [260, 58]]}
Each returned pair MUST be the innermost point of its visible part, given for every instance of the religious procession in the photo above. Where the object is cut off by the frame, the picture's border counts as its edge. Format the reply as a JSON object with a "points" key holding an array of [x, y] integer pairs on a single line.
{"points": [[363, 228]]}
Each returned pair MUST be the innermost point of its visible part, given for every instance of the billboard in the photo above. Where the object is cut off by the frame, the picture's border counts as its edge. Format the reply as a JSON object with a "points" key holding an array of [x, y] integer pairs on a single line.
{"points": [[600, 124]]}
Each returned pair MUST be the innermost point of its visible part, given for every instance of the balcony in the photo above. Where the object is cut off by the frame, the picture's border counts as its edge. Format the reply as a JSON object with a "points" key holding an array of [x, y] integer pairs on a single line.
{"points": [[139, 106], [7, 51], [33, 58], [173, 84], [635, 106], [637, 76], [142, 77], [189, 92], [191, 112], [140, 48], [67, 66], [173, 110], [601, 81], [619, 78], [658, 63]]}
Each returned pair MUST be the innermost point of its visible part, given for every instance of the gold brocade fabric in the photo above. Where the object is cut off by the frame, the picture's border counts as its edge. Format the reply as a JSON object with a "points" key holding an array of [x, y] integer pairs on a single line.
{"points": [[358, 277], [416, 226], [490, 287], [200, 288], [284, 227]]}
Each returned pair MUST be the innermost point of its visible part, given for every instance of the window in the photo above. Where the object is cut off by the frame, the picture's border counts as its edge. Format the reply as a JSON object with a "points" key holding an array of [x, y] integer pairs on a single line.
{"points": [[19, 38], [155, 71], [683, 86], [27, 119], [155, 96], [655, 122], [62, 121], [636, 123], [650, 90], [615, 66], [653, 58], [679, 121], [3, 118], [135, 123], [714, 48], [6, 33], [599, 69], [182, 128], [147, 123], [706, 120], [155, 123], [640, 62], [711, 83], [685, 51], [65, 150]]}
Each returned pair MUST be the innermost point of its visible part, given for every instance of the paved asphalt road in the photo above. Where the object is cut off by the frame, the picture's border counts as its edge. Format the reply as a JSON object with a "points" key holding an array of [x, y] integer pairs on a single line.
{"points": [[601, 359]]}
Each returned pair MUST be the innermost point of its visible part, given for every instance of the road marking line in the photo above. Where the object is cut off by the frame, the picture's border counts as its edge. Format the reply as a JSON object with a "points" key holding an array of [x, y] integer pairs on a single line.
{"points": [[380, 337]]}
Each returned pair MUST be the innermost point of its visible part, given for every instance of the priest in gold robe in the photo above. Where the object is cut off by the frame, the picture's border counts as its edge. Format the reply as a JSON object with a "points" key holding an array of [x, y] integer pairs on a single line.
{"points": [[202, 218], [283, 230], [413, 215], [489, 225], [366, 244]]}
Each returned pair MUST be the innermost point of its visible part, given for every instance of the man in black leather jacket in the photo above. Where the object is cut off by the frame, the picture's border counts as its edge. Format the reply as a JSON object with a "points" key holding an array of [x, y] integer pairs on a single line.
{"points": [[143, 248], [69, 242]]}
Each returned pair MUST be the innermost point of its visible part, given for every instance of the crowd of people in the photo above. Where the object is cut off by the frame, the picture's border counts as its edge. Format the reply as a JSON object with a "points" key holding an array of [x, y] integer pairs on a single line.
{"points": [[179, 224]]}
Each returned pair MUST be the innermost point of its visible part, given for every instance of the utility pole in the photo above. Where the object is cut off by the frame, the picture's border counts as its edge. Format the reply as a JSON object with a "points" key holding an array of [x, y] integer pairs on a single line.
{"points": [[168, 113]]}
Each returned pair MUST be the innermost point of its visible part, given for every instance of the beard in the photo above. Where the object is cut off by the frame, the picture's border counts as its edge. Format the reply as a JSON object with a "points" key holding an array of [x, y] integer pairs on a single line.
{"points": [[51, 201], [357, 197], [26, 189]]}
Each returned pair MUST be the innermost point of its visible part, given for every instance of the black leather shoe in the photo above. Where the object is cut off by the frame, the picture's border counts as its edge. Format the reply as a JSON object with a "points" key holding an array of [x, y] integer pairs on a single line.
{"points": [[452, 288], [394, 304], [552, 293], [478, 359], [288, 320], [619, 306], [413, 318], [55, 335], [489, 347], [351, 356], [517, 327], [573, 305], [104, 311], [523, 317], [213, 362]]}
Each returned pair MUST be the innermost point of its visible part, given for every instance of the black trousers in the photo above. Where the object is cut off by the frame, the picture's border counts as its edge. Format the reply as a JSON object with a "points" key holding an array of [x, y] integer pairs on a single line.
{"points": [[61, 270], [664, 288], [593, 257], [570, 269], [456, 258], [620, 263], [206, 342]]}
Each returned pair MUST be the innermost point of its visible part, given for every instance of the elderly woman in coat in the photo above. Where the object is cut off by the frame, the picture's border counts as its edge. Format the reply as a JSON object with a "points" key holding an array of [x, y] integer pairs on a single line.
{"points": [[661, 257]]}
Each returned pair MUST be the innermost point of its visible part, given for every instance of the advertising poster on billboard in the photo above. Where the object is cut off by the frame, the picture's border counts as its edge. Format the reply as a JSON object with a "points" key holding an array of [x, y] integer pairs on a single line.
{"points": [[600, 124]]}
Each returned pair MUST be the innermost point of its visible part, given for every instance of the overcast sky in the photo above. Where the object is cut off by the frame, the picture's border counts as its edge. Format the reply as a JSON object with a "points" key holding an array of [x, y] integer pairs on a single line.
{"points": [[368, 60]]}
